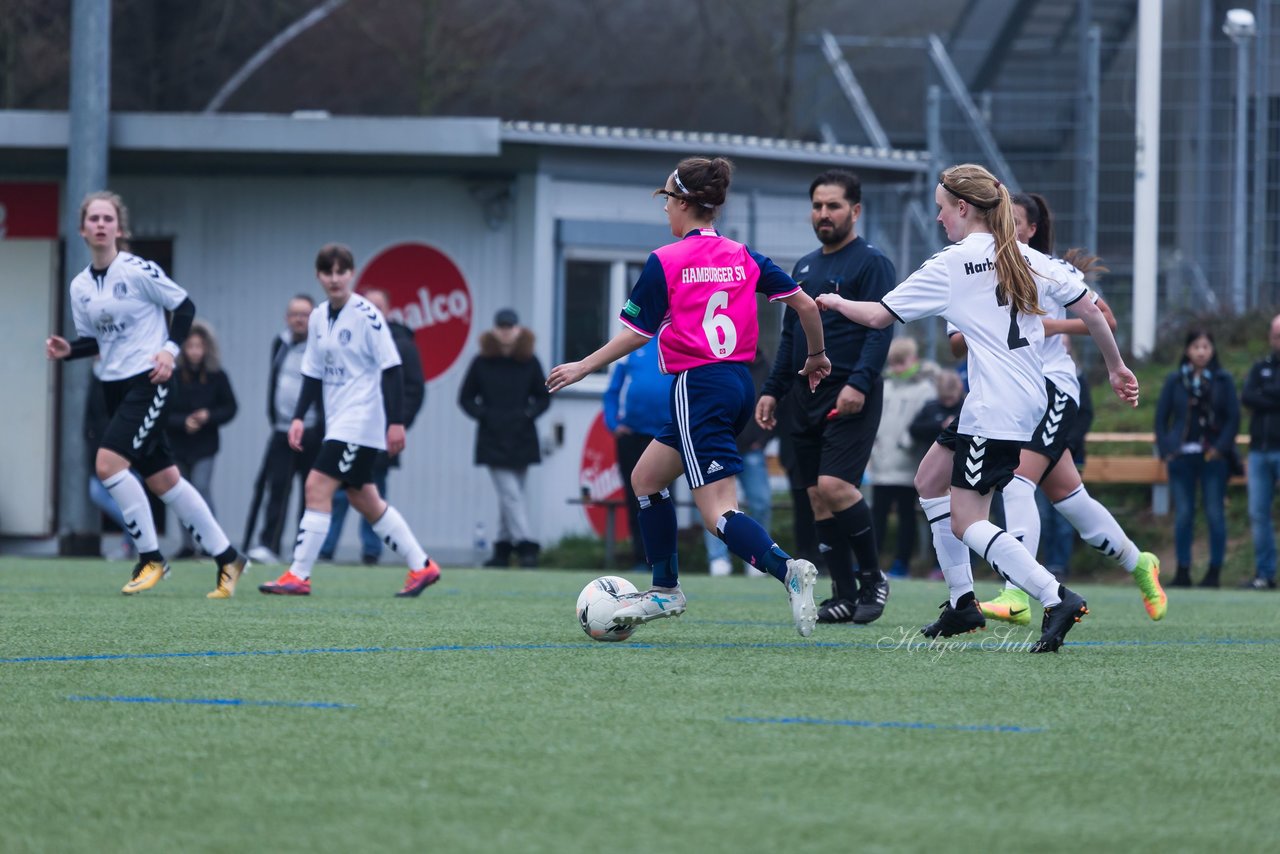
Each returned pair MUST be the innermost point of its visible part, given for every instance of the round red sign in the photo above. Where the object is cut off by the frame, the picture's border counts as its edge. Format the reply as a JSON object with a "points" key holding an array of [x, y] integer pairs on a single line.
{"points": [[600, 480], [427, 294]]}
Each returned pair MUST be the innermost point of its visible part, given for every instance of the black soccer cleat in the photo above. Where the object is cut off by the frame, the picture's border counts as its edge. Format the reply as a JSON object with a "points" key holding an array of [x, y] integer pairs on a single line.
{"points": [[837, 611], [871, 599], [1059, 620], [956, 621]]}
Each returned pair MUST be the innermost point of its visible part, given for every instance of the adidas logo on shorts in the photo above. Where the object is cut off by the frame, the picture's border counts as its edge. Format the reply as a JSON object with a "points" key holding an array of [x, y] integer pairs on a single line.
{"points": [[714, 467]]}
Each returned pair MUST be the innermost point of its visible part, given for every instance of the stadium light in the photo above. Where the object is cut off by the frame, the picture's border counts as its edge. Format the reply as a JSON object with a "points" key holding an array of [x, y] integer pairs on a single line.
{"points": [[1241, 28]]}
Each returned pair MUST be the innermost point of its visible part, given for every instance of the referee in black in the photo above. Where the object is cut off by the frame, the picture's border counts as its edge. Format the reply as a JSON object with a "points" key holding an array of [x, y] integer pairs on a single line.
{"points": [[834, 427]]}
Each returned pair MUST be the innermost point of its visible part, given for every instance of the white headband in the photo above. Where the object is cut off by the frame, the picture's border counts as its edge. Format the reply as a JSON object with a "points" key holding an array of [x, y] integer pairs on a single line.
{"points": [[675, 176]]}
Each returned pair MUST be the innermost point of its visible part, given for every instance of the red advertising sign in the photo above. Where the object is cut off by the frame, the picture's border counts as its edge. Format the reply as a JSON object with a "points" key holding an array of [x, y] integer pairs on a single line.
{"points": [[28, 210], [600, 479], [427, 294]]}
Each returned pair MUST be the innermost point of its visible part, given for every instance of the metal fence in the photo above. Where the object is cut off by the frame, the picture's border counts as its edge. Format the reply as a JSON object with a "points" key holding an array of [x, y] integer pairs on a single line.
{"points": [[1064, 125]]}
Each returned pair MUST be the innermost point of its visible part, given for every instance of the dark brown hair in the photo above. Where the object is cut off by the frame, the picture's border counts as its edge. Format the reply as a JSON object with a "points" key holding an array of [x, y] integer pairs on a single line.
{"points": [[1039, 215], [851, 183], [705, 182], [334, 257]]}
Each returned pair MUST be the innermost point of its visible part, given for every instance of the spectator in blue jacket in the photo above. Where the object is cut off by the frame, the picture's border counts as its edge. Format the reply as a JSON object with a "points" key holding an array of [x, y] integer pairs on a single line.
{"points": [[1196, 423], [637, 405]]}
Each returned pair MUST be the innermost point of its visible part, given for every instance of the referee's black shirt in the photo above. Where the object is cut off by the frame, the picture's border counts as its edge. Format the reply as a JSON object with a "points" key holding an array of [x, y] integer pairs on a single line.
{"points": [[859, 271]]}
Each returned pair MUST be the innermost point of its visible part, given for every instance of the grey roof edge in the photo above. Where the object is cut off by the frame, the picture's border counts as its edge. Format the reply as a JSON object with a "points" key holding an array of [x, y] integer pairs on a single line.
{"points": [[303, 133], [768, 148], [311, 133]]}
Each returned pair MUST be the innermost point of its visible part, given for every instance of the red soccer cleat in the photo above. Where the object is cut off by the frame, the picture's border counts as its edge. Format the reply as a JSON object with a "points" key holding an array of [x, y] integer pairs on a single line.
{"points": [[287, 585], [420, 579]]}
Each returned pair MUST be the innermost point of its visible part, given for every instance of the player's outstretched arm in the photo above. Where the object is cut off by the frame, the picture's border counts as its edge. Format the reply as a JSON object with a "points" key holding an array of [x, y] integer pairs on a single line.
{"points": [[1123, 382], [816, 366], [626, 341], [1073, 326], [870, 314]]}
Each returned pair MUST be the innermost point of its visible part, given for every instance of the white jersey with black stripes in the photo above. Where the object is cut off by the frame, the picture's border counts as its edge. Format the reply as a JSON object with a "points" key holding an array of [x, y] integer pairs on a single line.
{"points": [[348, 353], [1006, 377], [123, 308]]}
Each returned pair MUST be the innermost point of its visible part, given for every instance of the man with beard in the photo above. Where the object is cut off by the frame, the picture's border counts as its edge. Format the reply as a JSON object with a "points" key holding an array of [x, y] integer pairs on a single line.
{"points": [[834, 427]]}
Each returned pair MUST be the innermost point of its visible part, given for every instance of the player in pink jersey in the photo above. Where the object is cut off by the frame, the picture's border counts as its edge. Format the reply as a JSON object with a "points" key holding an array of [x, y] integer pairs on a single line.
{"points": [[697, 296]]}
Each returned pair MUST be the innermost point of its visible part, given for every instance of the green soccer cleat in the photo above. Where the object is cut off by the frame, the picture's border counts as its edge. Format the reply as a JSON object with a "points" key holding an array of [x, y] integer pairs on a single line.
{"points": [[1011, 606], [1147, 577]]}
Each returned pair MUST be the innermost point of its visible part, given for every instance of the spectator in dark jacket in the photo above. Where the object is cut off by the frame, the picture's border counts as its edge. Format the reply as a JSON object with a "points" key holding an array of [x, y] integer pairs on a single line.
{"points": [[280, 464], [505, 392], [1262, 397], [415, 392], [939, 412], [200, 402], [1197, 419]]}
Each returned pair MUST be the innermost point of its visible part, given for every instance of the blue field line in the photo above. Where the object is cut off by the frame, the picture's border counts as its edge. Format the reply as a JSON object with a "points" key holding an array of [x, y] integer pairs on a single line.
{"points": [[576, 645], [211, 701], [892, 724]]}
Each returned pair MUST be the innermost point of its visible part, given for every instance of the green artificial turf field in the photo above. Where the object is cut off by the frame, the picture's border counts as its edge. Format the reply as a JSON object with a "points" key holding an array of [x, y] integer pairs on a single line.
{"points": [[479, 718]]}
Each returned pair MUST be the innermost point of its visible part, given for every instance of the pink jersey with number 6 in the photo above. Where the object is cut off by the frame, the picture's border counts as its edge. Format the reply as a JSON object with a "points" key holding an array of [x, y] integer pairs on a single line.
{"points": [[710, 295]]}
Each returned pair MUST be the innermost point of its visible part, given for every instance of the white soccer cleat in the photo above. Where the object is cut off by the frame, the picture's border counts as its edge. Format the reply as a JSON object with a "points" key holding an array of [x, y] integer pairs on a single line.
{"points": [[653, 604], [802, 577]]}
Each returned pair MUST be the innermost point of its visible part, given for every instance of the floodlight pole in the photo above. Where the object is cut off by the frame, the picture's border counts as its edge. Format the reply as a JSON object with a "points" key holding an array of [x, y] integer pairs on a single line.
{"points": [[89, 107], [1239, 27], [1146, 177]]}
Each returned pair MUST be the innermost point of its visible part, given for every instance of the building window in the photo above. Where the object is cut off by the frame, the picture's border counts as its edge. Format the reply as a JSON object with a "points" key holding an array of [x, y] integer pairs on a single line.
{"points": [[595, 288]]}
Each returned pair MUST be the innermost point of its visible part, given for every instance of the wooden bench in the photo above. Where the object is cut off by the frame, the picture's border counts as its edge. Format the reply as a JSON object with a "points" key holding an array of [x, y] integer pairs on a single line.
{"points": [[1119, 468]]}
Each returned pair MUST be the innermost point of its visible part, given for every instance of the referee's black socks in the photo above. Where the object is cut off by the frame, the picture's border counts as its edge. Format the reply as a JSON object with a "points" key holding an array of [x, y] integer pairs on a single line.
{"points": [[855, 523], [835, 551]]}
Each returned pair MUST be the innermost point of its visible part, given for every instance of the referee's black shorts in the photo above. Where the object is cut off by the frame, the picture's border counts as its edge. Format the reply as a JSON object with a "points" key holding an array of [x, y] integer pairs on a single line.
{"points": [[832, 446], [136, 429]]}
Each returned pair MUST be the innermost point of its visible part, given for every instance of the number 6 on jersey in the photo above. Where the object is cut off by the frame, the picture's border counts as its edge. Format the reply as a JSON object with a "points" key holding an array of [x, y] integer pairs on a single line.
{"points": [[719, 329]]}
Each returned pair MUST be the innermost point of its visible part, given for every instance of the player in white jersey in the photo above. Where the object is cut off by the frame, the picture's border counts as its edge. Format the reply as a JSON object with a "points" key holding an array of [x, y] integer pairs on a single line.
{"points": [[119, 306], [1046, 459], [991, 288], [353, 363]]}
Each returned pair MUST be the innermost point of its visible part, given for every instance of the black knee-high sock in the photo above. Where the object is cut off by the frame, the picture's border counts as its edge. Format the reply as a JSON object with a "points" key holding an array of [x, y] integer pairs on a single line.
{"points": [[835, 550], [855, 523]]}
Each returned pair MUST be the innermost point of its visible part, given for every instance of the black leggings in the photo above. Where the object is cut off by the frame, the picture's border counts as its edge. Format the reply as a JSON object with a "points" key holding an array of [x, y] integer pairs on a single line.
{"points": [[905, 500]]}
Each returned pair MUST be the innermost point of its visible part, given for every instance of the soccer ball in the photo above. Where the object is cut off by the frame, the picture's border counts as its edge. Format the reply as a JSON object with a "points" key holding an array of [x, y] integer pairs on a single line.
{"points": [[596, 605]]}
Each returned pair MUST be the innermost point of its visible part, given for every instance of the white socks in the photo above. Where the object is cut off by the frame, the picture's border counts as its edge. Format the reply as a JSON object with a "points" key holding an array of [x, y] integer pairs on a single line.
{"points": [[953, 555], [1098, 527], [1007, 556], [1021, 515], [394, 531], [194, 514], [131, 498], [311, 533]]}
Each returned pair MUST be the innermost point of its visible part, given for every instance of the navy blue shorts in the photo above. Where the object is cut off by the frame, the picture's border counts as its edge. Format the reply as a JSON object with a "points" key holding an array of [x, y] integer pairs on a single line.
{"points": [[710, 406]]}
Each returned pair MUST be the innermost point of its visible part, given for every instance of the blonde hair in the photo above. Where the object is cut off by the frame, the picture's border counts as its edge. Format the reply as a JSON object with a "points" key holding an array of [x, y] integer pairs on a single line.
{"points": [[990, 200], [949, 379], [1088, 264], [122, 213], [903, 349]]}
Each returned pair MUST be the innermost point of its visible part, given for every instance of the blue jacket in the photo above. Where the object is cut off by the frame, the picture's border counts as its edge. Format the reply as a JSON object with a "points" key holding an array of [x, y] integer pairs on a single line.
{"points": [[1175, 403], [645, 404]]}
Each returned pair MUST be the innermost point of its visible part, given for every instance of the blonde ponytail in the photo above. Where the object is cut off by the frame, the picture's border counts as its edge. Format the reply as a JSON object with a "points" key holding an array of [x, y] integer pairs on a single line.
{"points": [[990, 199]]}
